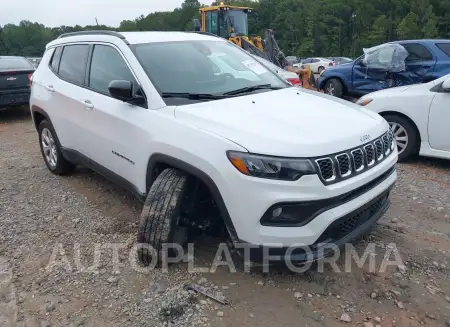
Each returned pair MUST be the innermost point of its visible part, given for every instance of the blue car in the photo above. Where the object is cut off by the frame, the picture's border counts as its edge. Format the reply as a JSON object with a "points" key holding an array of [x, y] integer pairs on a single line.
{"points": [[426, 61]]}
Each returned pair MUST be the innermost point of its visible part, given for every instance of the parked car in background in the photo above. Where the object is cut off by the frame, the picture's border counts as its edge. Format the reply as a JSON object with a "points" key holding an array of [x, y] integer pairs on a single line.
{"points": [[15, 79], [427, 61], [340, 60], [292, 60], [317, 65], [291, 77], [419, 117]]}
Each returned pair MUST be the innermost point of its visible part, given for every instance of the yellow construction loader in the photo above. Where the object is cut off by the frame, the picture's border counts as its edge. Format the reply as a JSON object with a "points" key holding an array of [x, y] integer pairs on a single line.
{"points": [[231, 23]]}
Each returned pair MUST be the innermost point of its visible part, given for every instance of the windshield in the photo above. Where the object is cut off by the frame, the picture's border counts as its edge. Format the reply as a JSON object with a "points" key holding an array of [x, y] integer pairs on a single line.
{"points": [[239, 21], [206, 67]]}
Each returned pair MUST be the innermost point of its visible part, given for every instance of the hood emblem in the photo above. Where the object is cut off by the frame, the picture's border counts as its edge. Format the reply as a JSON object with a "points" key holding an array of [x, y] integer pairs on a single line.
{"points": [[365, 138]]}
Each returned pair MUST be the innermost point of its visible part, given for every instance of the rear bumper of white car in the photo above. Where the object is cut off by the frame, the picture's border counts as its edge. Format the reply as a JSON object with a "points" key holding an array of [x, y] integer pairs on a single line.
{"points": [[335, 213]]}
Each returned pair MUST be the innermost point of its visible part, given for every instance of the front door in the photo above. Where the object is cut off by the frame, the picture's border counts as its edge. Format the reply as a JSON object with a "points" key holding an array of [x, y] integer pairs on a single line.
{"points": [[438, 124]]}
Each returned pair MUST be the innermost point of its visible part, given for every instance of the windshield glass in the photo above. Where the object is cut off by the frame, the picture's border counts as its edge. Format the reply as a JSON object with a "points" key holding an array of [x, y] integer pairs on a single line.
{"points": [[239, 21], [202, 67]]}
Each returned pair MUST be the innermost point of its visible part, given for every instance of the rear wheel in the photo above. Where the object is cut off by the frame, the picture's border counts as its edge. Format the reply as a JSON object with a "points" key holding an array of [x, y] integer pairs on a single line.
{"points": [[51, 150], [161, 215], [321, 69], [406, 136], [334, 87]]}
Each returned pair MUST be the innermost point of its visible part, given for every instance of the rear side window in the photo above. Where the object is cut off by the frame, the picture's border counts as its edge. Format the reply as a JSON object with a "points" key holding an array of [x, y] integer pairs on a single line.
{"points": [[417, 52], [56, 58], [11, 63], [73, 63], [444, 47], [107, 65]]}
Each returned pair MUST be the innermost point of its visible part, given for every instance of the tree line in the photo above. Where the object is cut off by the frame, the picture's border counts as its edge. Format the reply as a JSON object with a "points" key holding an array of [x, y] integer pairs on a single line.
{"points": [[302, 27]]}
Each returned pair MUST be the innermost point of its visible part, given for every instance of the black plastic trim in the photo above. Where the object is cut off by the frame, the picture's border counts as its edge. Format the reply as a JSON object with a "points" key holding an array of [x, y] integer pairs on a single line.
{"points": [[318, 207], [95, 32], [317, 252], [159, 158]]}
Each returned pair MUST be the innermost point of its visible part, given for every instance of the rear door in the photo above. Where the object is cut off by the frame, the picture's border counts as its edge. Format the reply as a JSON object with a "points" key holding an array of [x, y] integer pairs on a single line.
{"points": [[419, 63], [66, 91], [15, 73]]}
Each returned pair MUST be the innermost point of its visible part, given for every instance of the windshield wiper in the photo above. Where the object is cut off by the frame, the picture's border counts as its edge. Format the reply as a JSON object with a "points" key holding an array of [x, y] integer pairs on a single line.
{"points": [[193, 96], [253, 88]]}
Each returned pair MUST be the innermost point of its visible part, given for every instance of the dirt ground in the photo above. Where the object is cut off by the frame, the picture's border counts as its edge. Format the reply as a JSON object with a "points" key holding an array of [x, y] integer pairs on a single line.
{"points": [[46, 221]]}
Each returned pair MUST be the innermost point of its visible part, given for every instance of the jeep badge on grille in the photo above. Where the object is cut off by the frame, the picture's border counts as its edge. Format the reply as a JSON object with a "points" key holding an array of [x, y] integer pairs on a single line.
{"points": [[365, 138]]}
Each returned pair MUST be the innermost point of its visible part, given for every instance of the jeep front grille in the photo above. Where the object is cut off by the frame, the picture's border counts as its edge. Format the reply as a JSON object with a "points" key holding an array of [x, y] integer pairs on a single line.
{"points": [[347, 164]]}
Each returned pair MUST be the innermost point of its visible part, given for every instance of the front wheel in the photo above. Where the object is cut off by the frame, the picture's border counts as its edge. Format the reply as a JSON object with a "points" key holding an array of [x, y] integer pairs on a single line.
{"points": [[161, 214], [334, 87], [406, 136], [321, 69]]}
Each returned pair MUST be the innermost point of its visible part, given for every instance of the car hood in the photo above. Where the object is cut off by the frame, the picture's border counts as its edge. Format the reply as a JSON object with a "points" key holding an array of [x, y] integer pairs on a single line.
{"points": [[288, 122], [390, 91]]}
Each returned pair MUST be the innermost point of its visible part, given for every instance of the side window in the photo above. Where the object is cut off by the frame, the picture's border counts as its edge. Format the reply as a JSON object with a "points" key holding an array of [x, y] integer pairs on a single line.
{"points": [[211, 22], [107, 65], [444, 47], [417, 52], [56, 58], [73, 63], [315, 60]]}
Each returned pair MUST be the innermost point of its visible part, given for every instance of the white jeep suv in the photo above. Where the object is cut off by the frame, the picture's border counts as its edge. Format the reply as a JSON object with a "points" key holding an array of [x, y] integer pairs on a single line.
{"points": [[275, 165]]}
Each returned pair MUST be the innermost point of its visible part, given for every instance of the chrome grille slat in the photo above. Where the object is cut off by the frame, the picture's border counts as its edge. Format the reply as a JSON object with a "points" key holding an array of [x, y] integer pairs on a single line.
{"points": [[344, 164], [349, 163], [358, 160]]}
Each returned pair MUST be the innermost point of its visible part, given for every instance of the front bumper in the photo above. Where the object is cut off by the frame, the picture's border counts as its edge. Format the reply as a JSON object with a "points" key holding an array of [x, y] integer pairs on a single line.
{"points": [[344, 230], [320, 82], [247, 200]]}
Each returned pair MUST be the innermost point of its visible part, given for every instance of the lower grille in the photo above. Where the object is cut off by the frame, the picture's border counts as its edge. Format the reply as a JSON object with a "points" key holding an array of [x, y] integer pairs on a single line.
{"points": [[352, 221]]}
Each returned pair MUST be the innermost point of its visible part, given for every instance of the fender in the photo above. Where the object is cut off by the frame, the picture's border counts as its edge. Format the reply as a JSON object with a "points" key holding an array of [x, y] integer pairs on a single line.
{"points": [[158, 158]]}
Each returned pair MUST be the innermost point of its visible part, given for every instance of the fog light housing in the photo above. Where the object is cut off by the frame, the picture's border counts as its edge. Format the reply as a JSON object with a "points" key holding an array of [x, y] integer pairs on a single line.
{"points": [[277, 212]]}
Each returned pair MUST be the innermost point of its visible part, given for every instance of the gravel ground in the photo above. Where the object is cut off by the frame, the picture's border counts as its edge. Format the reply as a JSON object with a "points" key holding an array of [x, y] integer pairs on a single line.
{"points": [[50, 228]]}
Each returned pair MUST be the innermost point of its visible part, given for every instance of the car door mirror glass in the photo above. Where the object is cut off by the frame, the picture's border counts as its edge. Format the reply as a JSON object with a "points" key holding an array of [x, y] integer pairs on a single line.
{"points": [[446, 85], [121, 90]]}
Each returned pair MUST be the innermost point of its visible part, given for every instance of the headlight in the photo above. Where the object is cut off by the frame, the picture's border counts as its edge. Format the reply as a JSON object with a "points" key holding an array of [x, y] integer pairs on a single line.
{"points": [[288, 169], [364, 101]]}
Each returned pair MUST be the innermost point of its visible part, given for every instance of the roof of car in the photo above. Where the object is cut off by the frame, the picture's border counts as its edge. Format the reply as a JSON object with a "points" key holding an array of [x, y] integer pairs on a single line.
{"points": [[132, 37]]}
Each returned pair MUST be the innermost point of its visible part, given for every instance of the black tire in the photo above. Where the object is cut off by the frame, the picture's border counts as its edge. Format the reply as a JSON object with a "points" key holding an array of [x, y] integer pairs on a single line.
{"points": [[334, 87], [413, 145], [161, 213], [321, 69], [62, 165]]}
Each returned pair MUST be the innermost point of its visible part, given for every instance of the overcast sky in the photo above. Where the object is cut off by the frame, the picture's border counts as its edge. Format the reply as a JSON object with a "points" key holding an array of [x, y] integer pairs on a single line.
{"points": [[83, 12]]}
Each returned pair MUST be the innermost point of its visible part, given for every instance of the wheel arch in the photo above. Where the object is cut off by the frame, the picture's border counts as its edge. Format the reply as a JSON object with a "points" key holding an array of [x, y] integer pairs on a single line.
{"points": [[400, 114], [38, 115], [158, 162]]}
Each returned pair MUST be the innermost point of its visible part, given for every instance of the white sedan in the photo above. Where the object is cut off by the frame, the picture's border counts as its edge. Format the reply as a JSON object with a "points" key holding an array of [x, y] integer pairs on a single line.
{"points": [[317, 65], [419, 116]]}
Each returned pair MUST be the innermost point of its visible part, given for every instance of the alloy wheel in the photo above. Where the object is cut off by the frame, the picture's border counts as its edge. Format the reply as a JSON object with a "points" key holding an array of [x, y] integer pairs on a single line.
{"points": [[401, 136], [330, 89], [49, 148]]}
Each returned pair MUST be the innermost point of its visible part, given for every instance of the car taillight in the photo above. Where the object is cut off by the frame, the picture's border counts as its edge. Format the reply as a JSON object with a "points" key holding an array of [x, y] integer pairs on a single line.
{"points": [[295, 81], [30, 78]]}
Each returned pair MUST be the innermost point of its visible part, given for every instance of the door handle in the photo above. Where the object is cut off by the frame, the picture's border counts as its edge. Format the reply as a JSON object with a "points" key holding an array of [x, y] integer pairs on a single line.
{"points": [[50, 88], [88, 104]]}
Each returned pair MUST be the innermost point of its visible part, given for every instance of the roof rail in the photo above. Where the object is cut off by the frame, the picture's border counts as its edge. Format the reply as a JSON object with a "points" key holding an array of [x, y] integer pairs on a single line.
{"points": [[95, 32]]}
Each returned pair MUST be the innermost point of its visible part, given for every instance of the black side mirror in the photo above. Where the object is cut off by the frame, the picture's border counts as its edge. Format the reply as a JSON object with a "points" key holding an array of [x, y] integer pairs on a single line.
{"points": [[197, 25], [121, 90]]}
